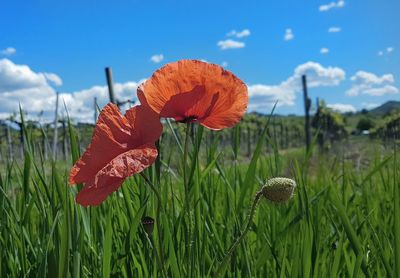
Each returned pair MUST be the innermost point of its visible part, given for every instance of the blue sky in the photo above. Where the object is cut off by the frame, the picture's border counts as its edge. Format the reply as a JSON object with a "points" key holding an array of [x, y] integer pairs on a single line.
{"points": [[75, 41]]}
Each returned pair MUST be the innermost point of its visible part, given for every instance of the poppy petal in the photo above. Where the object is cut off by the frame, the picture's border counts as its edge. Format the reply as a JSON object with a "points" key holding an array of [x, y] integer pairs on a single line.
{"points": [[111, 177], [228, 109], [183, 105], [128, 163], [225, 96], [145, 123], [93, 196], [109, 139]]}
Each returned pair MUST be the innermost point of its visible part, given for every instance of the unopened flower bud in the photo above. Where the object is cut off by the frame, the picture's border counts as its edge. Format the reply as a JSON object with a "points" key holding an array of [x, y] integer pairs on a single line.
{"points": [[148, 224], [278, 189]]}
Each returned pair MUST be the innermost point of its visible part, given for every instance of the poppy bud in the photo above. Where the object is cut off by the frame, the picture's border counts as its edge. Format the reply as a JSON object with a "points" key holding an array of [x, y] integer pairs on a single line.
{"points": [[148, 224], [278, 189]]}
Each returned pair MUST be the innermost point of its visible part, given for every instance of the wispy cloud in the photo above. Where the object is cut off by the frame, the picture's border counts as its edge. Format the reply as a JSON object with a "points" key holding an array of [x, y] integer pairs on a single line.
{"points": [[230, 44], [288, 35], [386, 51], [342, 107], [157, 58], [370, 105], [53, 78], [368, 83], [324, 50], [331, 5], [8, 51], [224, 64], [239, 34], [334, 29]]}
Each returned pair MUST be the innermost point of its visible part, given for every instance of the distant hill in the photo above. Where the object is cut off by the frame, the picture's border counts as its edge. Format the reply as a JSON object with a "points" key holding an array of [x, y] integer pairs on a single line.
{"points": [[386, 107]]}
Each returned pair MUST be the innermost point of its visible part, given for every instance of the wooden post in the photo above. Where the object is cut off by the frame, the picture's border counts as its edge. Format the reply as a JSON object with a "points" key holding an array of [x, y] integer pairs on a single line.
{"points": [[281, 135], [248, 142], [65, 148], [307, 106], [55, 135], [95, 110], [110, 85], [44, 145], [21, 139], [287, 137], [9, 143]]}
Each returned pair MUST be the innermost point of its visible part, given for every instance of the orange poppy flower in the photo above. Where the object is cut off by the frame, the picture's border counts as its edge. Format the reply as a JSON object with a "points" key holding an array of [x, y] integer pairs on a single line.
{"points": [[195, 91], [121, 146]]}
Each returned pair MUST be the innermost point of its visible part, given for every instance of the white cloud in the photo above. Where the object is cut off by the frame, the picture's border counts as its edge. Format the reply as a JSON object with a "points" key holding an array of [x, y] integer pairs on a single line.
{"points": [[288, 35], [8, 51], [331, 5], [80, 103], [342, 108], [263, 96], [389, 49], [230, 44], [385, 90], [239, 34], [53, 78], [324, 50], [334, 29], [380, 53], [17, 77], [370, 84], [157, 58], [19, 84], [224, 64], [370, 105]]}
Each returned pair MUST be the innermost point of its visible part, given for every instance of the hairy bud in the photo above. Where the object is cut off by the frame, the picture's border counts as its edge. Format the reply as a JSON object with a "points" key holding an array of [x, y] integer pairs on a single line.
{"points": [[278, 189]]}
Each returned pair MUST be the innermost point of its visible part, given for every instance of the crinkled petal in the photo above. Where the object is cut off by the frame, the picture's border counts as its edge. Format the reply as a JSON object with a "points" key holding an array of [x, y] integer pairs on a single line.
{"points": [[110, 137], [110, 178], [91, 195], [145, 123]]}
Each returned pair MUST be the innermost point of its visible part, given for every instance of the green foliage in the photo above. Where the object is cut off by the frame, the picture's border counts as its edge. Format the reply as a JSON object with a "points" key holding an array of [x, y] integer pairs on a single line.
{"points": [[389, 128], [329, 122], [342, 221], [365, 124]]}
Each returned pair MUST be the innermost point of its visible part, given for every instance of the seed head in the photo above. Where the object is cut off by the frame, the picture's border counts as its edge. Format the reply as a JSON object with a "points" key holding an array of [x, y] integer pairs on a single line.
{"points": [[278, 190]]}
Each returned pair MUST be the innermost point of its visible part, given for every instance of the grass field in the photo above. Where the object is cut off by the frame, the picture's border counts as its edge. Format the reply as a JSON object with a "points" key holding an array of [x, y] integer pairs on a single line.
{"points": [[343, 220]]}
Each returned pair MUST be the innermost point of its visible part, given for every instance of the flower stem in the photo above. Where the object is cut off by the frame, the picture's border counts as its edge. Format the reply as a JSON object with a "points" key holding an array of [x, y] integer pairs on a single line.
{"points": [[233, 247], [187, 195], [159, 255], [185, 155], [149, 183]]}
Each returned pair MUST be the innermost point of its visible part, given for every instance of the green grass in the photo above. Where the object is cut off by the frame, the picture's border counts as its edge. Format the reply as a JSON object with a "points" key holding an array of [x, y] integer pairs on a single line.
{"points": [[342, 222]]}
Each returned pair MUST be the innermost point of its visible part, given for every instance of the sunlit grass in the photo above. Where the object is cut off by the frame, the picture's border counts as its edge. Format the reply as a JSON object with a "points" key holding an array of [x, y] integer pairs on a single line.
{"points": [[341, 221]]}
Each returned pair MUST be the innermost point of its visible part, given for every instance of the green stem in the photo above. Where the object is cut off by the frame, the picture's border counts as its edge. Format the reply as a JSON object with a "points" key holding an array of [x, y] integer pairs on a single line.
{"points": [[159, 207], [185, 155], [186, 188], [233, 247], [149, 183]]}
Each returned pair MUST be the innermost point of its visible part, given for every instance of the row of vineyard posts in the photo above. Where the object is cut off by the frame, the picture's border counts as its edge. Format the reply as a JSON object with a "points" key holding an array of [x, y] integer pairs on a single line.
{"points": [[283, 132]]}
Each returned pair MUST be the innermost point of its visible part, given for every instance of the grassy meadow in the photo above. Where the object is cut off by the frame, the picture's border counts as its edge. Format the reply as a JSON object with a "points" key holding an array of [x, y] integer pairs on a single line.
{"points": [[343, 221]]}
